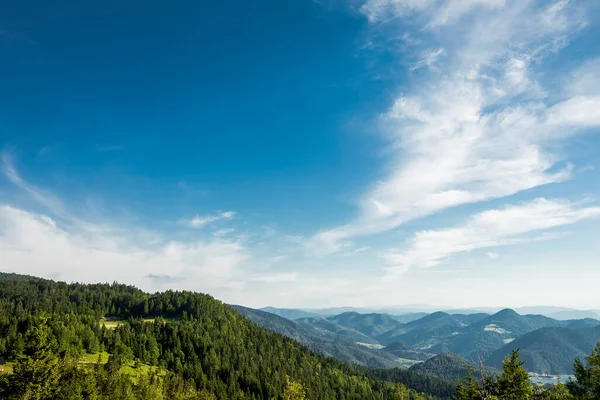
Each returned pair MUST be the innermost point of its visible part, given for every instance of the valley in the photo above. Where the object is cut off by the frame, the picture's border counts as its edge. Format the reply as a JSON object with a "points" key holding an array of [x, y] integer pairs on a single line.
{"points": [[548, 345]]}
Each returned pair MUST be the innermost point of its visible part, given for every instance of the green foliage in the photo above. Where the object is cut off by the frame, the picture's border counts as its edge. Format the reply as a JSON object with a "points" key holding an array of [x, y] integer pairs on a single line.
{"points": [[175, 345], [513, 383], [450, 367], [293, 390], [587, 375]]}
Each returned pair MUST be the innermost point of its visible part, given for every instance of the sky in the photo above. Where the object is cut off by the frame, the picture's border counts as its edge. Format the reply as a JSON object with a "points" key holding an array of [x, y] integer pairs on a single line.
{"points": [[306, 153]]}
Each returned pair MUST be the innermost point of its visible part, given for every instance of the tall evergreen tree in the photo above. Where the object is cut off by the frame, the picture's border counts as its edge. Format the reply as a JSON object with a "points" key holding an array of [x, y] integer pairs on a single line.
{"points": [[586, 385]]}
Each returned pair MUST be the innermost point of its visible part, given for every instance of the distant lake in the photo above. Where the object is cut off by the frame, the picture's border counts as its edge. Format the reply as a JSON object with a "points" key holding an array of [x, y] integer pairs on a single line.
{"points": [[549, 379]]}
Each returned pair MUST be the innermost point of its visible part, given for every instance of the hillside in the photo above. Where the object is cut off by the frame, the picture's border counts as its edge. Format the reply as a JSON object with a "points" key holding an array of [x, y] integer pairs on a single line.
{"points": [[371, 325], [289, 313], [401, 350], [328, 343], [202, 344], [550, 350], [451, 367], [325, 328]]}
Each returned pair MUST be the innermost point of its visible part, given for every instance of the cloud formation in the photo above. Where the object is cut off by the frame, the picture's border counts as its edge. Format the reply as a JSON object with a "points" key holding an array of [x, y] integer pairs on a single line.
{"points": [[199, 221], [492, 228], [481, 126], [36, 244]]}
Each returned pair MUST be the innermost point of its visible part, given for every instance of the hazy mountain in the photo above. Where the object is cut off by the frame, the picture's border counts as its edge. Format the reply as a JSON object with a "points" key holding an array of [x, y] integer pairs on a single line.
{"points": [[429, 330], [322, 341], [451, 367], [289, 313], [325, 328], [405, 318], [575, 314], [371, 325], [474, 337], [550, 350]]}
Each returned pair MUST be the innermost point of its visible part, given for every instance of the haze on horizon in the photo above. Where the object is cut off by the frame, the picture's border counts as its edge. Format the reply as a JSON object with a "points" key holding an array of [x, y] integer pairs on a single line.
{"points": [[306, 154]]}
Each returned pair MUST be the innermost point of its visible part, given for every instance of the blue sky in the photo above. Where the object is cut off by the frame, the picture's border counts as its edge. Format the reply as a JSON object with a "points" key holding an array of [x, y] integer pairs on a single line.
{"points": [[306, 153]]}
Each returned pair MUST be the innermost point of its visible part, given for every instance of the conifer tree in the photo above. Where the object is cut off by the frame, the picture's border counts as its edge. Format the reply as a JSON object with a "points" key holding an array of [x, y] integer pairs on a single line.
{"points": [[513, 383]]}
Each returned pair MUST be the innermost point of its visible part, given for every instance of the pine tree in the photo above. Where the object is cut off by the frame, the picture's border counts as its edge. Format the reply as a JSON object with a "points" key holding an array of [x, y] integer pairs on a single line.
{"points": [[36, 373], [587, 383], [513, 383]]}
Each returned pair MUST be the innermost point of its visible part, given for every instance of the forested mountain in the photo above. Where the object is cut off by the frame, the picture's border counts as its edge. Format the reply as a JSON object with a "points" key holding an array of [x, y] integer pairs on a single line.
{"points": [[401, 350], [452, 367], [325, 342], [325, 327], [405, 318], [371, 325], [192, 345], [289, 313], [550, 350], [474, 337]]}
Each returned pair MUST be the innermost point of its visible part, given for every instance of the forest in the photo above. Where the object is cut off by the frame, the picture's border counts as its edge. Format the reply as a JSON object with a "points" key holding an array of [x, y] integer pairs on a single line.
{"points": [[114, 341]]}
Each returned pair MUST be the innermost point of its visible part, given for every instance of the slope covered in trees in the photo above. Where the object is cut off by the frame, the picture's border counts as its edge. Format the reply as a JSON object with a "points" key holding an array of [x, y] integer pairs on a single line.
{"points": [[204, 348], [451, 367], [326, 342], [550, 350]]}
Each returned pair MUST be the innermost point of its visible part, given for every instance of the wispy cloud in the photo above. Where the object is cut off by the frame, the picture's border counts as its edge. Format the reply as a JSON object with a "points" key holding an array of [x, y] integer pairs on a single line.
{"points": [[481, 127], [490, 228], [47, 248], [428, 58], [199, 221], [46, 199], [492, 255], [223, 232]]}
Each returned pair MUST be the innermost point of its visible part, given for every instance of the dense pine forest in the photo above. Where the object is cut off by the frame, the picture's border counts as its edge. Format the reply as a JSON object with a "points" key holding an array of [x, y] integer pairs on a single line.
{"points": [[176, 345], [113, 341]]}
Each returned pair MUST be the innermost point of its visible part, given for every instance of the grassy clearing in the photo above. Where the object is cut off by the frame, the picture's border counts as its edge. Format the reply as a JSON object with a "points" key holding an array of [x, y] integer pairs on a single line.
{"points": [[406, 363], [93, 358], [132, 369], [113, 323]]}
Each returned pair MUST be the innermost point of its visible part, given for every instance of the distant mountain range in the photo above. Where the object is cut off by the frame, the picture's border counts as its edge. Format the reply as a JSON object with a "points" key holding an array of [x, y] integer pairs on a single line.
{"points": [[327, 338], [548, 345], [560, 313]]}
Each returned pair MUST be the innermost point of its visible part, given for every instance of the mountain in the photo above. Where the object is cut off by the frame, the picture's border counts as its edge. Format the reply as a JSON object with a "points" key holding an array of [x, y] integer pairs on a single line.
{"points": [[550, 350], [370, 325], [428, 331], [194, 343], [472, 336], [401, 350], [409, 317], [325, 342], [289, 313], [575, 314], [451, 367], [325, 328]]}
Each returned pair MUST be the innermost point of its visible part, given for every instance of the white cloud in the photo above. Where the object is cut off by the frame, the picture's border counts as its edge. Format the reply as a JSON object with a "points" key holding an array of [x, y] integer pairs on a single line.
{"points": [[36, 244], [428, 58], [199, 221], [481, 127], [223, 232], [490, 228], [492, 255], [585, 80], [277, 278]]}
